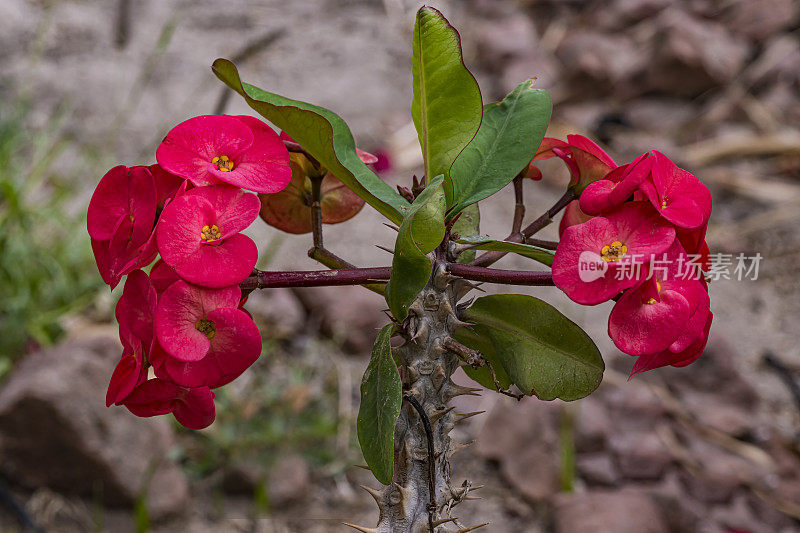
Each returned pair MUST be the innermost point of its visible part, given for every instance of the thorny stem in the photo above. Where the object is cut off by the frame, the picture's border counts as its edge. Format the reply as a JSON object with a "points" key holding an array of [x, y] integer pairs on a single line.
{"points": [[489, 258], [476, 360], [426, 423]]}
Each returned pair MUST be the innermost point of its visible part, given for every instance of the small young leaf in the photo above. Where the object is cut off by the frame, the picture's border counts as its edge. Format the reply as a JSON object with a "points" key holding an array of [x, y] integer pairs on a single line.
{"points": [[481, 242], [324, 135], [507, 140], [446, 105], [468, 225], [421, 231], [544, 353], [381, 400]]}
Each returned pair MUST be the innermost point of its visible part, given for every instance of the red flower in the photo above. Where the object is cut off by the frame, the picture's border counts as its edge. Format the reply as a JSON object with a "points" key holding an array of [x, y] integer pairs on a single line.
{"points": [[680, 197], [120, 221], [205, 327], [667, 311], [590, 258], [213, 149], [162, 276], [193, 408], [587, 162], [198, 235], [572, 215], [616, 187], [135, 312], [669, 357]]}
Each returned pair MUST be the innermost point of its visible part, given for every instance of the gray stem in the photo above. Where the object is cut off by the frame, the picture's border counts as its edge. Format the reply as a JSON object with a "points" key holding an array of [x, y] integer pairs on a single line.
{"points": [[426, 367]]}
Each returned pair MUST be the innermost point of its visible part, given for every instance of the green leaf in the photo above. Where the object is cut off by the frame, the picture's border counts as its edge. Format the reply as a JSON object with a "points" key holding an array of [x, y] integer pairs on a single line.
{"points": [[507, 140], [468, 225], [544, 353], [381, 399], [421, 231], [477, 338], [324, 135], [481, 242], [446, 105]]}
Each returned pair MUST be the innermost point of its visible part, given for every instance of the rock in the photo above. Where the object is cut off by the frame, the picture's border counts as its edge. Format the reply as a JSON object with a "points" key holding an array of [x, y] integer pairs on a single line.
{"points": [[533, 472], [778, 61], [350, 314], [242, 478], [288, 480], [640, 455], [712, 413], [57, 432], [759, 19], [601, 57], [597, 469], [693, 55], [521, 424], [593, 425], [278, 313], [606, 511]]}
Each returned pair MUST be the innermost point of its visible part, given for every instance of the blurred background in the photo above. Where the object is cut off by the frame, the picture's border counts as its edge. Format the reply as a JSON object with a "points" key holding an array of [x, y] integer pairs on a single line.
{"points": [[89, 84]]}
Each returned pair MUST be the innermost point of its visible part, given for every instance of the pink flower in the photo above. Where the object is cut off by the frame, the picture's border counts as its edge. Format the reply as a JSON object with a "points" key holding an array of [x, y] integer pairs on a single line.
{"points": [[198, 235], [213, 149], [193, 408], [667, 311], [162, 276], [572, 215], [596, 260], [167, 185], [135, 312], [586, 161], [616, 187], [120, 221], [123, 193], [206, 328], [669, 357], [680, 197]]}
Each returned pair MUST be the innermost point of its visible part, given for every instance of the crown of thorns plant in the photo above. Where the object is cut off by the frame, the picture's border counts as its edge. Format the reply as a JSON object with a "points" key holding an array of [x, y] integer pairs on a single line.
{"points": [[633, 233]]}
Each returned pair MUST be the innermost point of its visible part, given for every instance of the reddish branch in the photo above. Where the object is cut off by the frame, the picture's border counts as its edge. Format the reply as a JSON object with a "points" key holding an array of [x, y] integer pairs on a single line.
{"points": [[489, 258], [361, 276]]}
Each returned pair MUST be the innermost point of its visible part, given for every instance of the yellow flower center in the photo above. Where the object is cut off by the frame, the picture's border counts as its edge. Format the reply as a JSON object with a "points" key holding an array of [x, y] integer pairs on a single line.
{"points": [[210, 233], [613, 252], [651, 301], [223, 163], [664, 203], [206, 327]]}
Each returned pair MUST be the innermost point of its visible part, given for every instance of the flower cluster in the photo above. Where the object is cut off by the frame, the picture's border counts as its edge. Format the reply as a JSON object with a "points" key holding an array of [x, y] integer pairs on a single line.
{"points": [[637, 236], [182, 327]]}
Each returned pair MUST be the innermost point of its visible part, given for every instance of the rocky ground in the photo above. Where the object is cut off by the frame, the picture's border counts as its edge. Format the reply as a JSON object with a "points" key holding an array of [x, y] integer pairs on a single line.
{"points": [[713, 447]]}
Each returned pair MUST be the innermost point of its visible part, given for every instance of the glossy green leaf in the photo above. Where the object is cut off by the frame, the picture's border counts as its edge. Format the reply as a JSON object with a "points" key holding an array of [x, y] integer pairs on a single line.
{"points": [[446, 105], [477, 338], [507, 140], [421, 231], [324, 135], [481, 242], [544, 353], [381, 400], [468, 225]]}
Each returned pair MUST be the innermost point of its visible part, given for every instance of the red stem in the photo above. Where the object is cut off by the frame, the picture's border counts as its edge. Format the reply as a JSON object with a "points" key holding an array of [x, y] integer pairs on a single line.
{"points": [[506, 277], [361, 276]]}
